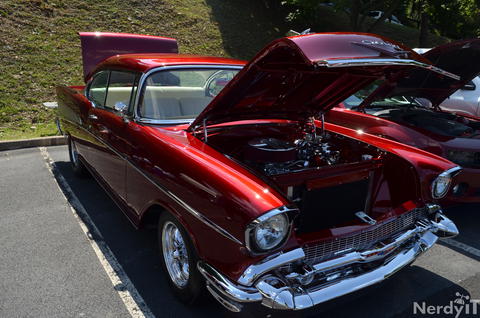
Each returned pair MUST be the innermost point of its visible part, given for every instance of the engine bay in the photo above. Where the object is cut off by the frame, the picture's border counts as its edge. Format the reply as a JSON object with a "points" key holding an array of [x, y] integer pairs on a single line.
{"points": [[277, 150], [274, 156], [314, 167]]}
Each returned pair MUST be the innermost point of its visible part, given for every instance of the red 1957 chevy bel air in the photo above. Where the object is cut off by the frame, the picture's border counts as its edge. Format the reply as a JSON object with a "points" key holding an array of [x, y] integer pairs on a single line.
{"points": [[256, 198]]}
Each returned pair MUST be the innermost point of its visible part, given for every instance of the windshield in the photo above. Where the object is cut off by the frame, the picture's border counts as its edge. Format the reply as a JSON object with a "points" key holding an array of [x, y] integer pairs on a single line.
{"points": [[181, 94], [355, 100]]}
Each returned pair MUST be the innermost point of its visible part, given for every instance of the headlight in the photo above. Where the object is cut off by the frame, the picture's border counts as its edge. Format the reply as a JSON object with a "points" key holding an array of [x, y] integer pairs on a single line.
{"points": [[441, 184], [268, 231]]}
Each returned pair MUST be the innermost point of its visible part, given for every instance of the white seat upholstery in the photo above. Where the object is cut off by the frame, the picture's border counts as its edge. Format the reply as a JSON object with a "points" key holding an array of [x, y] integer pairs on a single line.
{"points": [[118, 94], [173, 102], [192, 106], [160, 108], [161, 102], [175, 91]]}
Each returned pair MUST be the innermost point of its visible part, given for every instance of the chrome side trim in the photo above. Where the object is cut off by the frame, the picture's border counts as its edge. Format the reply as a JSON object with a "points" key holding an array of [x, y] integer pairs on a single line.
{"points": [[452, 172], [254, 271], [144, 77], [382, 62], [167, 192], [165, 121]]}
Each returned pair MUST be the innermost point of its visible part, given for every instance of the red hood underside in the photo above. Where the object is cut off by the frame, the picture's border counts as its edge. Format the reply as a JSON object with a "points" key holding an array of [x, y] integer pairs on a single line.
{"points": [[460, 57], [299, 77]]}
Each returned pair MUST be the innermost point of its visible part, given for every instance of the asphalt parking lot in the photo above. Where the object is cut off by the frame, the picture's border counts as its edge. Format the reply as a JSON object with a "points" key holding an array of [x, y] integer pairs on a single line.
{"points": [[58, 262]]}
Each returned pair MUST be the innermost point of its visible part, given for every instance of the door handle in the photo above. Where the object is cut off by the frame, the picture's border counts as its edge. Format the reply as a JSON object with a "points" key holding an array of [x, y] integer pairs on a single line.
{"points": [[92, 116]]}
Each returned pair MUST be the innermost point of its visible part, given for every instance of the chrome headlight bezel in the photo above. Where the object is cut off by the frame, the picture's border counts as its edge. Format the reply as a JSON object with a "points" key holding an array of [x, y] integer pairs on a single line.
{"points": [[446, 179], [250, 239]]}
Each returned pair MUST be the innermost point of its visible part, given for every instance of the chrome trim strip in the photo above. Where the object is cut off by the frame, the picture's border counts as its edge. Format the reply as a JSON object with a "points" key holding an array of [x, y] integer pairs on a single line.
{"points": [[452, 172], [164, 122], [191, 210], [144, 76], [382, 62], [254, 271]]}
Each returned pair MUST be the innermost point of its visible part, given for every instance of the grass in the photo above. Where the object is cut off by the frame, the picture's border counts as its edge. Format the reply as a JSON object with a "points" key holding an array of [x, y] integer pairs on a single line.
{"points": [[39, 46]]}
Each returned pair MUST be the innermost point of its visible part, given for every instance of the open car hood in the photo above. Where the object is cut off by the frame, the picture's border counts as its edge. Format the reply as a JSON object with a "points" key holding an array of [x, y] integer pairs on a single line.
{"points": [[98, 46], [460, 57], [302, 76]]}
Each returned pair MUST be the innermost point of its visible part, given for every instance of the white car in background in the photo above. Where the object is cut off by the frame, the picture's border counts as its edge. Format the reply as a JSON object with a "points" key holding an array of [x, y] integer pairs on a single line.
{"points": [[466, 100]]}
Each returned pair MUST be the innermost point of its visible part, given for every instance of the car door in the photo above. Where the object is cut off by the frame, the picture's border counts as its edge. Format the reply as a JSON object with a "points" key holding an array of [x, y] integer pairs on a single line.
{"points": [[87, 143], [108, 122]]}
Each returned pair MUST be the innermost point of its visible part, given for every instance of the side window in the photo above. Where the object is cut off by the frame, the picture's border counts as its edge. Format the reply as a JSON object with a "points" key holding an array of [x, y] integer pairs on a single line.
{"points": [[98, 88], [120, 90]]}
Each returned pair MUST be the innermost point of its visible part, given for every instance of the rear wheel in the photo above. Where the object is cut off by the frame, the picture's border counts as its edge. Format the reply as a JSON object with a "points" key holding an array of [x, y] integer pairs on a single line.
{"points": [[77, 166], [179, 259]]}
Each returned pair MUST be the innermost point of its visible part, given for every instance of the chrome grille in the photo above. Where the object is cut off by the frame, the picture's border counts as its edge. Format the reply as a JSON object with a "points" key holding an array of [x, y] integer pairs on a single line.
{"points": [[360, 241]]}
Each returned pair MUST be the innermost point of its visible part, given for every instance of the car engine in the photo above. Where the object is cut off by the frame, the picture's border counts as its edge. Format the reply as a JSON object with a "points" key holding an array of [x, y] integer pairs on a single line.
{"points": [[274, 156]]}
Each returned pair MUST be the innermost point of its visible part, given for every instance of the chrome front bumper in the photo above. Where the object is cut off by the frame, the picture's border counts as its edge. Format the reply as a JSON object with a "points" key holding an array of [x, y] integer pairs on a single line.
{"points": [[314, 284]]}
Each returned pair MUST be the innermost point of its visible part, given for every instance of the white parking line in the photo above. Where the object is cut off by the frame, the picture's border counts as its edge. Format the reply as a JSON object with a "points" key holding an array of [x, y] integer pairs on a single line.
{"points": [[462, 246], [126, 290]]}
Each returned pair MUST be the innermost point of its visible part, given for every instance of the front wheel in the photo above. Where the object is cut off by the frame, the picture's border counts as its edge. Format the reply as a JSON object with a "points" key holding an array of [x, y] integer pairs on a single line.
{"points": [[179, 259], [77, 166]]}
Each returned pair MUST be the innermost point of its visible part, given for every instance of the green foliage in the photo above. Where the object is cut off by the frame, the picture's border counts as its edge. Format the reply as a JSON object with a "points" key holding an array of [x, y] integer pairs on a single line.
{"points": [[451, 18], [455, 19]]}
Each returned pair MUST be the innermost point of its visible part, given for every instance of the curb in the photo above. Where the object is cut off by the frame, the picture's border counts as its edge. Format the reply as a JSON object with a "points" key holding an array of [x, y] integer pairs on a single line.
{"points": [[34, 142]]}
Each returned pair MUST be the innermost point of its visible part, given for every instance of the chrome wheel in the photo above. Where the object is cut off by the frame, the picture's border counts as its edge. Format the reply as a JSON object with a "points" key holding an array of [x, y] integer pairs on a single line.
{"points": [[175, 254]]}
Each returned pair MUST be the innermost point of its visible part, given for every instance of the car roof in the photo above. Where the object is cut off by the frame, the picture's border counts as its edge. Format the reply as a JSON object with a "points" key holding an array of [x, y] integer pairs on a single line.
{"points": [[147, 61]]}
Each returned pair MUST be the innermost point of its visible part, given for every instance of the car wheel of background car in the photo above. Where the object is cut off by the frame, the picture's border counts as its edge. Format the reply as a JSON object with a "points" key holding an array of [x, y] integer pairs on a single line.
{"points": [[179, 259], [78, 167]]}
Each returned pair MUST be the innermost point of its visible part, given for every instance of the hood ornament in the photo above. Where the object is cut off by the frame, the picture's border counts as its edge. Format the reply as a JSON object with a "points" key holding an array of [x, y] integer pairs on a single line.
{"points": [[383, 47]]}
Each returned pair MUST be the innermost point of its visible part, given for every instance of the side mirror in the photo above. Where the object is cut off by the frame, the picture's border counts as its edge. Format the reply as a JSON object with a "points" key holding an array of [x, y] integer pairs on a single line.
{"points": [[120, 107], [470, 86]]}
